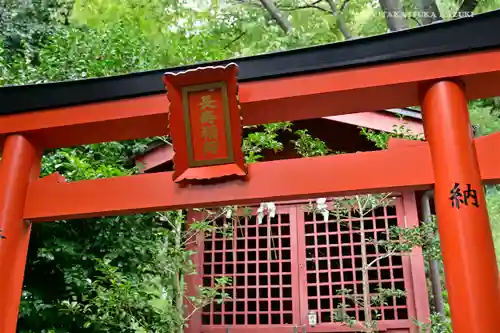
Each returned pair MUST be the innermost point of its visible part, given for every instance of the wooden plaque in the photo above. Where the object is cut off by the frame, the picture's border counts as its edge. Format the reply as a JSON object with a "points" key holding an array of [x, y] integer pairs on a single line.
{"points": [[205, 123]]}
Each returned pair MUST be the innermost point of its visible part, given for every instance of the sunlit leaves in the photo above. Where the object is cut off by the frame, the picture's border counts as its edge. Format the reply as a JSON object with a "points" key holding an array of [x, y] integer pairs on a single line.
{"points": [[308, 146]]}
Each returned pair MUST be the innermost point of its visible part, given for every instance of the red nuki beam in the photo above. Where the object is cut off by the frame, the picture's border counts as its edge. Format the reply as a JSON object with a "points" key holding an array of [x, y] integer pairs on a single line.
{"points": [[467, 245], [389, 170], [20, 164]]}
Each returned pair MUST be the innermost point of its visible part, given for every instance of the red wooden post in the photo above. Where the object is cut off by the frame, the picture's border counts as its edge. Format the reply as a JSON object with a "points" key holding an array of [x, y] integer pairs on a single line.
{"points": [[20, 164], [415, 271], [466, 240]]}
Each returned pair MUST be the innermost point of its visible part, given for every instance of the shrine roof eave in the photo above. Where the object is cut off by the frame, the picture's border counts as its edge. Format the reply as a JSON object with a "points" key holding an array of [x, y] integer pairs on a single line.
{"points": [[446, 38], [405, 112]]}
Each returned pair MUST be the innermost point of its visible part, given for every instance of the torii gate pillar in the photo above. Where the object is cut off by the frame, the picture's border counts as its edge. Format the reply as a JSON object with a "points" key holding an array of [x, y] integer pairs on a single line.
{"points": [[20, 164], [466, 241]]}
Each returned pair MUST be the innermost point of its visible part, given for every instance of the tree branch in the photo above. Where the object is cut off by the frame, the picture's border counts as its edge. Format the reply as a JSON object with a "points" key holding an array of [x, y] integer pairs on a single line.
{"points": [[340, 20], [364, 262], [374, 261], [333, 11], [393, 11], [467, 6], [343, 5], [291, 9], [431, 11], [234, 40], [249, 3], [313, 5], [277, 15], [416, 21]]}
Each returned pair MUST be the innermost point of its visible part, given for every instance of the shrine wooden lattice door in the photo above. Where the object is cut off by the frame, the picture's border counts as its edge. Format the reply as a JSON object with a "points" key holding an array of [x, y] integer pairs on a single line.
{"points": [[296, 263]]}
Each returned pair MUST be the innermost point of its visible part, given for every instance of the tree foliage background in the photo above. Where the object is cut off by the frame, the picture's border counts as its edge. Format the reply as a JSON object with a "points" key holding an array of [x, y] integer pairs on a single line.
{"points": [[112, 274]]}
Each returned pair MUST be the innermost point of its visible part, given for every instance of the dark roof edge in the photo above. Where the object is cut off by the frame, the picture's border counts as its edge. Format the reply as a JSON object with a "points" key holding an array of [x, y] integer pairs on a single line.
{"points": [[451, 37]]}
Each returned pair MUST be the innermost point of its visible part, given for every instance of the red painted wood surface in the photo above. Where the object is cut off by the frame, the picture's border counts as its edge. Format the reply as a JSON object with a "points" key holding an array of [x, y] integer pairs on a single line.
{"points": [[296, 262], [466, 241], [205, 123], [196, 112], [20, 164], [155, 158], [283, 99], [414, 264], [390, 170]]}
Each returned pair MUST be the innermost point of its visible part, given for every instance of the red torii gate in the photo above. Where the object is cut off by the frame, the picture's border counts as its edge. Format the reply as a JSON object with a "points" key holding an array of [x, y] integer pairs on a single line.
{"points": [[450, 160]]}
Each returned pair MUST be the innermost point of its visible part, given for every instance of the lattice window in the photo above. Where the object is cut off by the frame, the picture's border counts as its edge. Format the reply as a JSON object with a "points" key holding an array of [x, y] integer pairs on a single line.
{"points": [[333, 261], [295, 263], [259, 260]]}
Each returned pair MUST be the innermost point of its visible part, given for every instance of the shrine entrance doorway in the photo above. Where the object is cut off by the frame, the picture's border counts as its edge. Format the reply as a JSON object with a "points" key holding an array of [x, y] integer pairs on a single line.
{"points": [[295, 264]]}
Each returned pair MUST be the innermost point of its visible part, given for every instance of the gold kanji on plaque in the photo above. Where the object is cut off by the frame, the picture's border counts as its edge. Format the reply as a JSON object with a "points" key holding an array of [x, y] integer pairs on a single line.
{"points": [[209, 131]]}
